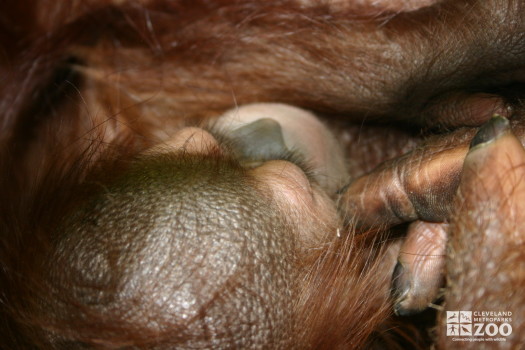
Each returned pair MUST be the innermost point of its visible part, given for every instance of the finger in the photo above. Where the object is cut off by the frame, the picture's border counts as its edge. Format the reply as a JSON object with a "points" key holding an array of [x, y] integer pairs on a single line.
{"points": [[419, 272], [486, 255], [374, 6], [464, 109], [419, 185]]}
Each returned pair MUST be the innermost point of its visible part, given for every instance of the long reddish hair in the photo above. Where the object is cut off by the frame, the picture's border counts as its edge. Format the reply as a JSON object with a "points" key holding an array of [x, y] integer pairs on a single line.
{"points": [[88, 82]]}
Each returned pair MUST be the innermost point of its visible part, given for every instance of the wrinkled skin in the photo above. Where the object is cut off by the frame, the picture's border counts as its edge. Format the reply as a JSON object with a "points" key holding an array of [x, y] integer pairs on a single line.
{"points": [[481, 218], [141, 212]]}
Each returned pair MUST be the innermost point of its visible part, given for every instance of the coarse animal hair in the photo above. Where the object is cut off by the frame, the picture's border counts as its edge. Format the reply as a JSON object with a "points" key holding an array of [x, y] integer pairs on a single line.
{"points": [[89, 84]]}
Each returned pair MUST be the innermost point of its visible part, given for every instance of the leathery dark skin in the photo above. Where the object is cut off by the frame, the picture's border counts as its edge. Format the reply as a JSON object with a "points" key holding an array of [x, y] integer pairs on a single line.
{"points": [[466, 202]]}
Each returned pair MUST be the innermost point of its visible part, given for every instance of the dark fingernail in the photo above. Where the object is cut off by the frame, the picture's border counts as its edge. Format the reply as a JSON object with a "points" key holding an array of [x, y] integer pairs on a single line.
{"points": [[400, 282], [491, 130], [400, 310], [400, 289]]}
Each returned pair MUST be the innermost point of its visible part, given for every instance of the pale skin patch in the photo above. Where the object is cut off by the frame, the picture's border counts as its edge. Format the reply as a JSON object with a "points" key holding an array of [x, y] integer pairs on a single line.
{"points": [[292, 183], [302, 131], [307, 205]]}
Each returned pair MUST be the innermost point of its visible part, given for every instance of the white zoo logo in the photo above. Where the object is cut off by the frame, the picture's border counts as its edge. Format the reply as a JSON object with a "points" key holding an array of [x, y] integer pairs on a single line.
{"points": [[459, 323], [478, 323]]}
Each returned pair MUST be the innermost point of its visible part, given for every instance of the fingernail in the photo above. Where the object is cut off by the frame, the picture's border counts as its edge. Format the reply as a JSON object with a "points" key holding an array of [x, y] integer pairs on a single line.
{"points": [[491, 130], [400, 283], [400, 289]]}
